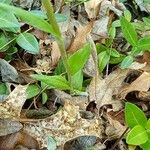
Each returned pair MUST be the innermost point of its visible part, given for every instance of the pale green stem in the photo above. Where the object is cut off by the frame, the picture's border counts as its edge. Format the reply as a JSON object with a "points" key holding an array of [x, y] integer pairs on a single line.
{"points": [[59, 39]]}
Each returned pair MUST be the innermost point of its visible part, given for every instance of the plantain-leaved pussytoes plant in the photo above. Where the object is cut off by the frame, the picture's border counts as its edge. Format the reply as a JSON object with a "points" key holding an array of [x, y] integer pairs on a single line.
{"points": [[73, 64], [139, 134]]}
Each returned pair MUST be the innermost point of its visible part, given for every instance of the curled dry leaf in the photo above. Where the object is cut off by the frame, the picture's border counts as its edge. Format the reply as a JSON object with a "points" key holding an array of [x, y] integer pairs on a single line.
{"points": [[142, 83], [102, 90], [100, 28], [63, 126], [24, 71], [12, 106], [8, 126], [9, 142], [80, 37], [114, 129], [8, 72], [55, 54], [145, 96], [92, 8]]}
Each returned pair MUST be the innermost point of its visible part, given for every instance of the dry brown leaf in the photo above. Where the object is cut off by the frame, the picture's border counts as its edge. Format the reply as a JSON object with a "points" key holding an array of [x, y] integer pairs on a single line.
{"points": [[8, 126], [100, 28], [80, 37], [12, 106], [92, 8], [102, 90], [65, 125], [9, 142], [55, 54], [24, 71], [142, 83], [115, 129], [144, 96]]}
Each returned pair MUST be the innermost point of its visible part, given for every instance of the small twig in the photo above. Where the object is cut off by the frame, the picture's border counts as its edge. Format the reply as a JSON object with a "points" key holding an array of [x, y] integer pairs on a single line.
{"points": [[116, 143], [33, 102]]}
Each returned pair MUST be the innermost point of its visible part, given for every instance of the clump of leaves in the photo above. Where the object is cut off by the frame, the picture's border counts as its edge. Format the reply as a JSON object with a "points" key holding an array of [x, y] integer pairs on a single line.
{"points": [[107, 54], [136, 120]]}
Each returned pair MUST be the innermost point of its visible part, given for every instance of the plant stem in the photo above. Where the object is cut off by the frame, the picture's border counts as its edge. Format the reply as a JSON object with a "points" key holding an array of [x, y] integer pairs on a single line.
{"points": [[59, 39]]}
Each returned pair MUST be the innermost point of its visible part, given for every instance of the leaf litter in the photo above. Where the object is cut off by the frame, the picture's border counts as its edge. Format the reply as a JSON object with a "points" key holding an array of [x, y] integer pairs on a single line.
{"points": [[68, 123]]}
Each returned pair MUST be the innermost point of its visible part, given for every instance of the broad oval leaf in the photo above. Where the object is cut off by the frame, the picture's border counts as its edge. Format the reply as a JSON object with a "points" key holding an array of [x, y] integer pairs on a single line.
{"points": [[128, 31], [146, 145], [32, 91], [3, 42], [57, 81], [28, 42], [137, 136], [29, 18], [127, 61], [134, 115], [144, 44], [103, 59], [78, 59], [9, 21], [77, 80], [147, 21]]}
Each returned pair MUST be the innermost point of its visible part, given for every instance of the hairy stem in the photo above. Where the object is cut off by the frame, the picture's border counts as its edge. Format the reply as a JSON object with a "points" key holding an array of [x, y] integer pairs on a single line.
{"points": [[59, 39]]}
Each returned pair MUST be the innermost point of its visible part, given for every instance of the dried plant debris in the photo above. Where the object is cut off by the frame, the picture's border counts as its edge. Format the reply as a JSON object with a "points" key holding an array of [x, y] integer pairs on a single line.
{"points": [[66, 124], [12, 105], [102, 90]]}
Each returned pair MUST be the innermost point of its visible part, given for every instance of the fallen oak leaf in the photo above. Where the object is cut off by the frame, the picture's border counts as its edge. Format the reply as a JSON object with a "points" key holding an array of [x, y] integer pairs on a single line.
{"points": [[102, 90], [142, 83], [64, 125], [9, 142]]}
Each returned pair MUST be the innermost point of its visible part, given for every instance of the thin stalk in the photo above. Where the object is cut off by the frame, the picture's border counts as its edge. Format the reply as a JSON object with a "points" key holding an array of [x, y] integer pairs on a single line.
{"points": [[59, 39]]}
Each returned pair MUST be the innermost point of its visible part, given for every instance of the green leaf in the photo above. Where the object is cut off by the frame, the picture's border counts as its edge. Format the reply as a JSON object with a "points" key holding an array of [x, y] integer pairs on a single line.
{"points": [[147, 1], [146, 145], [146, 21], [112, 32], [77, 80], [128, 31], [44, 98], [57, 81], [3, 41], [28, 42], [52, 145], [100, 48], [144, 44], [5, 1], [29, 18], [127, 15], [103, 59], [114, 52], [116, 60], [60, 17], [116, 23], [127, 61], [78, 59], [134, 115], [137, 136], [9, 21], [32, 91], [148, 125], [3, 89]]}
